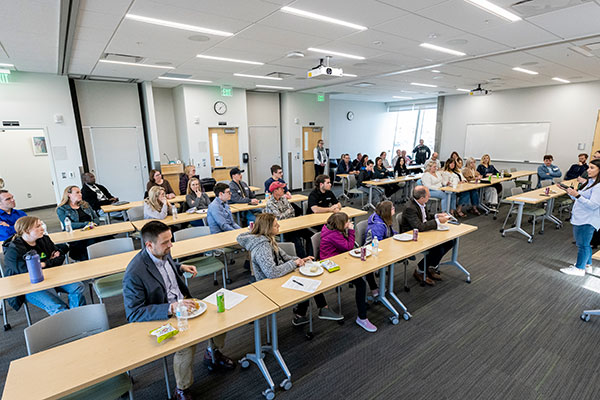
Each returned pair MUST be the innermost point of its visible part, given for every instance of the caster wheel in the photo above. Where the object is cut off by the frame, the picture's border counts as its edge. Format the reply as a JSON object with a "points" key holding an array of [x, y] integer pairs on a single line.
{"points": [[495, 218], [310, 335], [530, 240], [269, 394], [7, 327], [406, 316], [394, 320], [341, 322], [406, 289], [558, 226], [541, 232], [422, 283], [244, 363], [215, 283], [468, 279], [585, 317], [286, 384], [228, 280]]}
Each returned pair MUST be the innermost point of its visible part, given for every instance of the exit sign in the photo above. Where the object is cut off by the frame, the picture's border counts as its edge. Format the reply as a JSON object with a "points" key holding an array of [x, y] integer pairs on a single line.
{"points": [[226, 91], [3, 78], [320, 97]]}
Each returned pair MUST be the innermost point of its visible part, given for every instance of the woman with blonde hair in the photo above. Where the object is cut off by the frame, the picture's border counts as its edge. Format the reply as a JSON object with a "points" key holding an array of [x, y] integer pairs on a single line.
{"points": [[195, 195], [30, 237], [188, 173], [434, 181], [454, 176], [269, 261], [156, 205], [487, 169]]}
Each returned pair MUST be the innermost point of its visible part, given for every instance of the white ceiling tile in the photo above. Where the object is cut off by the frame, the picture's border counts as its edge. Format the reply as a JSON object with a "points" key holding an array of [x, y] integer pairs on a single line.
{"points": [[518, 34], [281, 20], [115, 7], [462, 15], [247, 10], [418, 28], [560, 54], [475, 45], [282, 37], [571, 22], [381, 41], [412, 5]]}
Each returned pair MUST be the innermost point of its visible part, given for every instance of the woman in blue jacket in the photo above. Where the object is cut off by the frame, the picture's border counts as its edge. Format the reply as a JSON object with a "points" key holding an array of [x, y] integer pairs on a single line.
{"points": [[585, 218]]}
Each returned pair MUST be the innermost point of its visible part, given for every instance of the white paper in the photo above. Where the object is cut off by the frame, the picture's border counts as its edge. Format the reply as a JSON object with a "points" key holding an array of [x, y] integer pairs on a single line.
{"points": [[307, 285], [232, 299]]}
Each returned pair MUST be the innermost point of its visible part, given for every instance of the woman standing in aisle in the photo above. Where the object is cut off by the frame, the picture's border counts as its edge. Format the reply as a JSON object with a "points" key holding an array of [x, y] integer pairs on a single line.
{"points": [[585, 218]]}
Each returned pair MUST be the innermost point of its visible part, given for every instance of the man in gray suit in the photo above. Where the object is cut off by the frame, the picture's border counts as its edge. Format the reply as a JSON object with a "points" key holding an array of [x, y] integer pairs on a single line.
{"points": [[152, 287]]}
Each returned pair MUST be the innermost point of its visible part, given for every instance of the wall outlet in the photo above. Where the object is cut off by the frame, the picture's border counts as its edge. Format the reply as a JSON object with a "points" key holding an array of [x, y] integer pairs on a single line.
{"points": [[581, 146], [63, 175], [71, 174]]}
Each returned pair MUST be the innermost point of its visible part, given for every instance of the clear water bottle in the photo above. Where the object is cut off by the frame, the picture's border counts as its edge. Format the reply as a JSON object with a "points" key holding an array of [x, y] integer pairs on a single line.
{"points": [[182, 313], [68, 225], [174, 211], [375, 246], [45, 228], [267, 195]]}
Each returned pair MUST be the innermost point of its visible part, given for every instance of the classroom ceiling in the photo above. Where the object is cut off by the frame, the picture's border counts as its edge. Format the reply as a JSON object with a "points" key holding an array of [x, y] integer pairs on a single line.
{"points": [[556, 38]]}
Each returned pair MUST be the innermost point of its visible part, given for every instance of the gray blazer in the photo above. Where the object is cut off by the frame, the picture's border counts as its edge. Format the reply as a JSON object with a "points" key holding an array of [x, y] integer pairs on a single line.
{"points": [[144, 292]]}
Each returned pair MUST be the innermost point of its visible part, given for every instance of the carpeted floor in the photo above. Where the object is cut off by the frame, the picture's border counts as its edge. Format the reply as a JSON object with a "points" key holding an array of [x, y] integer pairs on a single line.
{"points": [[513, 333]]}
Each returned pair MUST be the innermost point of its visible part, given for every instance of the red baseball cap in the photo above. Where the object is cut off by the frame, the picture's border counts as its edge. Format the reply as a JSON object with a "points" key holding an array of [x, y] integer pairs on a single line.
{"points": [[276, 185]]}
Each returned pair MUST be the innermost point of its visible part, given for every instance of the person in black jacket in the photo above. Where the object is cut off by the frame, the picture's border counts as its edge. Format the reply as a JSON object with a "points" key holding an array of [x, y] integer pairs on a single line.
{"points": [[578, 169], [95, 194], [368, 174], [30, 236], [422, 151], [415, 216]]}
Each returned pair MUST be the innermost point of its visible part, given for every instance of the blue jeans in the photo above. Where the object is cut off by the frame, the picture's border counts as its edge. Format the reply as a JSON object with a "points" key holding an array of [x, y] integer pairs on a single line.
{"points": [[470, 197], [583, 236], [443, 196], [49, 301]]}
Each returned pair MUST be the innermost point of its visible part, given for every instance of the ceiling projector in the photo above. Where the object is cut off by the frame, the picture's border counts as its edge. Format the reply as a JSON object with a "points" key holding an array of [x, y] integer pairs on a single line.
{"points": [[324, 71], [479, 91]]}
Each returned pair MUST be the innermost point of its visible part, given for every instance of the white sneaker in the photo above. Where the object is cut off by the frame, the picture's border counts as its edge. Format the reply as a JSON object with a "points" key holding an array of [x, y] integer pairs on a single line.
{"points": [[573, 270], [592, 270]]}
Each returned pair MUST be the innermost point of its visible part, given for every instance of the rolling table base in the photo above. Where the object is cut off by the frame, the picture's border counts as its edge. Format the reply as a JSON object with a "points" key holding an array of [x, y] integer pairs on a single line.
{"points": [[454, 261]]}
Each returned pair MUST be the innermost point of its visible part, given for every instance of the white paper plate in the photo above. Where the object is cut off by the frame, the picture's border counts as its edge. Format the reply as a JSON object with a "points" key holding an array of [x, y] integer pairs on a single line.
{"points": [[404, 237], [443, 228], [204, 211], [199, 311], [356, 253], [305, 270]]}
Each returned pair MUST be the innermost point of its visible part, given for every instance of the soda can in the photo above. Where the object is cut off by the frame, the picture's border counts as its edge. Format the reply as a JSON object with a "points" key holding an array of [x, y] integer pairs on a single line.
{"points": [[220, 302], [251, 225], [363, 253], [415, 234], [547, 190]]}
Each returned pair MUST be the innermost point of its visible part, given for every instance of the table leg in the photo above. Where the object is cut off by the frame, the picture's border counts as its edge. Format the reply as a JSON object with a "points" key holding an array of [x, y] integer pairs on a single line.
{"points": [[449, 194], [258, 358], [370, 203], [381, 298], [406, 315], [518, 221], [4, 316], [549, 216], [108, 217], [454, 261], [274, 349], [343, 190]]}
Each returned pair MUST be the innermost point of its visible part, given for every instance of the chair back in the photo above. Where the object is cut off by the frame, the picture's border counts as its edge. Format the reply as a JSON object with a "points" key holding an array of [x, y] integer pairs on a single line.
{"points": [[361, 229], [208, 184], [557, 180], [190, 233], [506, 186], [66, 327], [225, 182], [547, 182], [288, 248], [516, 190], [398, 221], [110, 247], [315, 240], [135, 213], [1, 264], [352, 181]]}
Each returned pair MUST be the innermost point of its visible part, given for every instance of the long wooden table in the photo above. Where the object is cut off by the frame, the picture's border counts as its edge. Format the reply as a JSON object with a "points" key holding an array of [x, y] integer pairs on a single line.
{"points": [[182, 218], [388, 181], [296, 198], [534, 197], [596, 255], [98, 231], [66, 369]]}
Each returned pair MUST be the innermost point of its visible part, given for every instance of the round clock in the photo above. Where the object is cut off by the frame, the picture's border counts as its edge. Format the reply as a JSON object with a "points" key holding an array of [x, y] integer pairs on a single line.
{"points": [[350, 115], [220, 107]]}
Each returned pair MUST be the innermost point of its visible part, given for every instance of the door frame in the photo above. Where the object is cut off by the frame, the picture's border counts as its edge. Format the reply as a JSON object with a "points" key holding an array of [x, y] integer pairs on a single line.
{"points": [[302, 151]]}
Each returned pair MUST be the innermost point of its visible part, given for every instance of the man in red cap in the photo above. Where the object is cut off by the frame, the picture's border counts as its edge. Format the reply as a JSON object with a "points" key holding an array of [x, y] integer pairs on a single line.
{"points": [[279, 206]]}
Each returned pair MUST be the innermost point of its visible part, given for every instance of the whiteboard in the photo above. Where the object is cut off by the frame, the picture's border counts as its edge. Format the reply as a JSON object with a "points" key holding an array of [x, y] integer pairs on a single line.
{"points": [[520, 142]]}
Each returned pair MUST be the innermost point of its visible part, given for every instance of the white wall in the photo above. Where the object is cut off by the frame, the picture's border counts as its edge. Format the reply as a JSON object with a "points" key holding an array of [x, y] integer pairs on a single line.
{"points": [[197, 102], [305, 108], [165, 123], [571, 110], [370, 132], [34, 100]]}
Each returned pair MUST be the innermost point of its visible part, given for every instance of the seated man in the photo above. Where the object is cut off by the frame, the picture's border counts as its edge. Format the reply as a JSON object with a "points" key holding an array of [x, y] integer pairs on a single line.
{"points": [[345, 166], [279, 206], [435, 159], [95, 194], [152, 286], [356, 163], [368, 174], [321, 199], [578, 169], [8, 215], [415, 216], [219, 215], [241, 193], [547, 171], [277, 176]]}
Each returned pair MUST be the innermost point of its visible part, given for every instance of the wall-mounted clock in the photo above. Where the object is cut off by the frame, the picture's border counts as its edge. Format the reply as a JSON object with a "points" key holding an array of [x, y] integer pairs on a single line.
{"points": [[220, 107], [350, 115]]}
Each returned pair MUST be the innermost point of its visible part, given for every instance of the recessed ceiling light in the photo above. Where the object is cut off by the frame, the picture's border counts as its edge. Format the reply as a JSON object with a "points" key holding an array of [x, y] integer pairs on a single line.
{"points": [[363, 84], [350, 75], [463, 90], [335, 53], [275, 87], [176, 25], [199, 38], [402, 97], [442, 49], [526, 71], [295, 54], [436, 71], [412, 70], [318, 17], [494, 9], [377, 42], [273, 78], [135, 64], [183, 79], [422, 84], [7, 65], [581, 51], [229, 59], [560, 80]]}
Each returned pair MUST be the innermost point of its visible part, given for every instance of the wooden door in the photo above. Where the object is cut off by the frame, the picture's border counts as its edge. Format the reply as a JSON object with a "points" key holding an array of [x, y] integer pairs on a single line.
{"points": [[596, 142], [310, 136], [224, 152]]}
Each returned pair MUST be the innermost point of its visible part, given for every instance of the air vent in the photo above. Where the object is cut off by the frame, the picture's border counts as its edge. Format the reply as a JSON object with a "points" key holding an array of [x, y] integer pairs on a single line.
{"points": [[530, 8], [363, 84], [123, 57], [179, 76], [11, 123], [281, 75]]}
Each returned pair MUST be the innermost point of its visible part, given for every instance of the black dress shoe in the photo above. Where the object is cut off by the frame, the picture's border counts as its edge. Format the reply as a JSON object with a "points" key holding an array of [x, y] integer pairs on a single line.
{"points": [[183, 394], [221, 361]]}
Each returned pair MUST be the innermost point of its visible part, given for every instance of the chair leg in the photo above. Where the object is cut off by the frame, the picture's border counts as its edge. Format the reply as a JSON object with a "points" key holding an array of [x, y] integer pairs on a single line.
{"points": [[224, 280], [91, 287], [26, 307], [166, 370], [215, 281], [227, 280]]}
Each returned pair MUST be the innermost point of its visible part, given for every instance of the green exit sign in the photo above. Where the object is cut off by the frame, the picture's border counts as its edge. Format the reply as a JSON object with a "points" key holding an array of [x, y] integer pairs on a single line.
{"points": [[4, 78], [226, 91], [320, 97]]}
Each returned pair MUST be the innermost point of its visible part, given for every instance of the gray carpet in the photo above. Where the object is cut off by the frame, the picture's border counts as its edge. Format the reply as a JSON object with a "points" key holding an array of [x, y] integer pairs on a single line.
{"points": [[513, 333]]}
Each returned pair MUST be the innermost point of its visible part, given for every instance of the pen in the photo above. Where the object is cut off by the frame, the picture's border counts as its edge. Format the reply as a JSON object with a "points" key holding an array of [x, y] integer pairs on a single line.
{"points": [[295, 281]]}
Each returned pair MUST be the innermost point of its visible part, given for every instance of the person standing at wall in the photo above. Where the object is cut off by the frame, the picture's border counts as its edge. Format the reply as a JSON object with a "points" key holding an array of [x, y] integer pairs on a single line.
{"points": [[320, 158], [422, 152]]}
